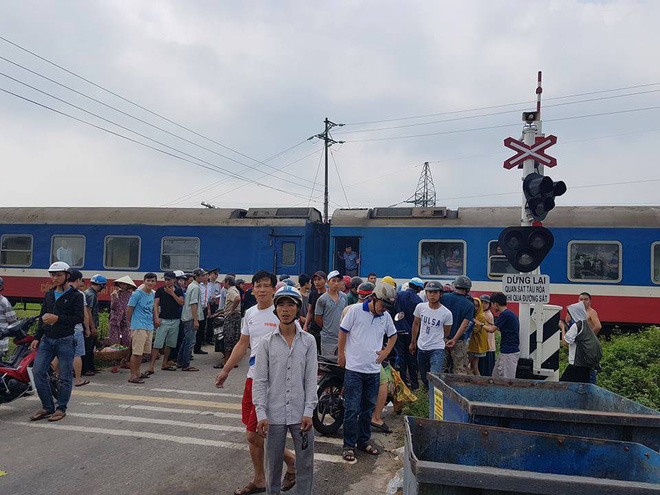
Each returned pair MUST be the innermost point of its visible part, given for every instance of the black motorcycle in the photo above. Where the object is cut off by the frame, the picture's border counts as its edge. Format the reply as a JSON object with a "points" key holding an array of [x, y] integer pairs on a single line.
{"points": [[329, 412]]}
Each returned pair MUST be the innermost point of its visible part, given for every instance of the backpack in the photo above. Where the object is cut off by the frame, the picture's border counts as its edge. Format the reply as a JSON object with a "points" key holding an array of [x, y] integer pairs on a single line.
{"points": [[588, 352]]}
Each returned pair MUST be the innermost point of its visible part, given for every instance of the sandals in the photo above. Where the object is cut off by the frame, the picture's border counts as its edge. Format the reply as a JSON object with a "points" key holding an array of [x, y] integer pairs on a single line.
{"points": [[249, 489], [146, 374], [42, 414], [83, 383], [382, 427], [192, 368], [57, 415], [169, 368], [369, 449], [348, 455], [288, 482], [135, 380]]}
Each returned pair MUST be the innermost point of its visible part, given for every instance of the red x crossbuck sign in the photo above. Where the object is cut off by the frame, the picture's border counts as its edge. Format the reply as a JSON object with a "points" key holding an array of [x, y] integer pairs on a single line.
{"points": [[525, 152]]}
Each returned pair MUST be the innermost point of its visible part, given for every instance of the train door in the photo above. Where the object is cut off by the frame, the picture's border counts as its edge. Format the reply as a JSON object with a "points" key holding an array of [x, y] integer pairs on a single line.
{"points": [[287, 255], [341, 243]]}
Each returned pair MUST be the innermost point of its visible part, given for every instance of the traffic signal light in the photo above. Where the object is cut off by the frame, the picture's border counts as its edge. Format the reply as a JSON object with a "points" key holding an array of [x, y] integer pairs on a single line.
{"points": [[540, 192], [526, 247]]}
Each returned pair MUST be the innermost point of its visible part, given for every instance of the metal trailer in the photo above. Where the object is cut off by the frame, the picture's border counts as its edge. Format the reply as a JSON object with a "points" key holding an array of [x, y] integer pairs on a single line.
{"points": [[564, 408], [446, 458]]}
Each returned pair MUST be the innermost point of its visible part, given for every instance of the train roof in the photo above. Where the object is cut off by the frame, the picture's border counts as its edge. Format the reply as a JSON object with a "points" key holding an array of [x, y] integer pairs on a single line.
{"points": [[159, 216], [564, 216]]}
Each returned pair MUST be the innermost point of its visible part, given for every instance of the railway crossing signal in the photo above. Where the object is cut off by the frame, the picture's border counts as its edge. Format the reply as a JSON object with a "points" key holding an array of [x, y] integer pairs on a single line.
{"points": [[534, 151], [540, 192], [526, 247]]}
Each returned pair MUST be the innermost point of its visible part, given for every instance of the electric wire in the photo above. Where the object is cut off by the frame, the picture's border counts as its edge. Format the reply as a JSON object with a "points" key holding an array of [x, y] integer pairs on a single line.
{"points": [[124, 127], [455, 119], [318, 168], [124, 98], [213, 167], [339, 177], [490, 107], [142, 120], [501, 126]]}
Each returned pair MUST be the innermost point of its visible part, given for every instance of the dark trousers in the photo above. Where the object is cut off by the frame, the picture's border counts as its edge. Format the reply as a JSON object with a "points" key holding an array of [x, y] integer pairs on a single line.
{"points": [[578, 374], [201, 333], [486, 364], [209, 324], [406, 363], [88, 358], [360, 394]]}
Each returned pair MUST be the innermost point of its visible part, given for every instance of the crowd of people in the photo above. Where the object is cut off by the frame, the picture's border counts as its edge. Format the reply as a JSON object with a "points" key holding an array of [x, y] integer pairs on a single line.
{"points": [[368, 325]]}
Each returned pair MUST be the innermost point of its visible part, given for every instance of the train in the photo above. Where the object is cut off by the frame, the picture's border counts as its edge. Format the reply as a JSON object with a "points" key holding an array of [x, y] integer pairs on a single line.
{"points": [[611, 252]]}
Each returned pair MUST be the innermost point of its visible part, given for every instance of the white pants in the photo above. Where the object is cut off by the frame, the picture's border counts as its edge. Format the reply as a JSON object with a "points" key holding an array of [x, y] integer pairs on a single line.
{"points": [[505, 366]]}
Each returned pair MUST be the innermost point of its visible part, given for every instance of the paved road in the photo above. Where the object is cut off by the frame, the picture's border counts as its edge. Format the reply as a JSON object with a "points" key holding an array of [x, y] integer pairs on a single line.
{"points": [[176, 434]]}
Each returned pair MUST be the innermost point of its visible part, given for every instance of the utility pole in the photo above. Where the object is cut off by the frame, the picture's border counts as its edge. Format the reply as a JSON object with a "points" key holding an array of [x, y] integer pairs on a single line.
{"points": [[425, 194], [325, 136]]}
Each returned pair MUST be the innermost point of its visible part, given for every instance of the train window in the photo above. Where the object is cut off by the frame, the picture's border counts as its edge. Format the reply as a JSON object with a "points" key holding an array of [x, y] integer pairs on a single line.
{"points": [[655, 262], [179, 253], [16, 250], [441, 258], [597, 261], [68, 248], [288, 253], [498, 265], [121, 251]]}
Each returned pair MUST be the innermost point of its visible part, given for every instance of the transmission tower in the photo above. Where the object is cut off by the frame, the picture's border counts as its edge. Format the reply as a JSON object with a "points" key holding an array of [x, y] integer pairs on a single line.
{"points": [[425, 194]]}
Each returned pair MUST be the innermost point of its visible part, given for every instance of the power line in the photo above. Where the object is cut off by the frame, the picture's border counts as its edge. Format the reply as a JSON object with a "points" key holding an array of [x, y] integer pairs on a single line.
{"points": [[455, 119], [124, 98], [209, 187], [318, 168], [121, 126], [490, 107], [141, 120], [472, 129], [339, 177], [213, 167]]}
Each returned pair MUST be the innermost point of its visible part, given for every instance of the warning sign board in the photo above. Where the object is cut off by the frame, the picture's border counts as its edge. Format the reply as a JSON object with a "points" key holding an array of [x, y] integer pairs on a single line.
{"points": [[438, 406], [526, 288]]}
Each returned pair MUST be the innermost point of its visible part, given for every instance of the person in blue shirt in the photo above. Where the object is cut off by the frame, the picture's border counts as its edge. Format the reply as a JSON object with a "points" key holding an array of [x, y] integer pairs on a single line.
{"points": [[351, 261], [140, 315], [508, 325], [462, 310], [406, 302]]}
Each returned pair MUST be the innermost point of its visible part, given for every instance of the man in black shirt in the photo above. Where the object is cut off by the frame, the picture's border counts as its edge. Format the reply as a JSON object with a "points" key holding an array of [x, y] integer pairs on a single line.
{"points": [[167, 304], [63, 308]]}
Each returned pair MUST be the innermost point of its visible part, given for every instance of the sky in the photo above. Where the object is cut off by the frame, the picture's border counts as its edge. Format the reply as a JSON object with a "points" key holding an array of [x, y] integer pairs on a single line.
{"points": [[229, 86]]}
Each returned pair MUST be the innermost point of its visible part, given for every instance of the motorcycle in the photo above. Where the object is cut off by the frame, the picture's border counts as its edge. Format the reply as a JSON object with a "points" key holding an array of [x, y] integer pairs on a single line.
{"points": [[16, 378]]}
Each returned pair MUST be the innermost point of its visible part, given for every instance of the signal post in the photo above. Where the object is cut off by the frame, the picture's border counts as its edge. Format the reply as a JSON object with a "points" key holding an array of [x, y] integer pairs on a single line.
{"points": [[527, 245]]}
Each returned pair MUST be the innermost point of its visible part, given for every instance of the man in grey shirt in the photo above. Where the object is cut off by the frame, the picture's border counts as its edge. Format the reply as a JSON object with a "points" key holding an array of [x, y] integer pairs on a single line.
{"points": [[284, 393], [327, 314]]}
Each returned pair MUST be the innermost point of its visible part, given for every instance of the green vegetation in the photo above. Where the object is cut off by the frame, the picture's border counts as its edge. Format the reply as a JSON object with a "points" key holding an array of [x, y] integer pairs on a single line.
{"points": [[419, 408]]}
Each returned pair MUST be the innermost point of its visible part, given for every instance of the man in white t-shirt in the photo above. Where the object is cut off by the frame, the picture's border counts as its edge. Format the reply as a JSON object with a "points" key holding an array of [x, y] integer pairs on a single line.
{"points": [[361, 352], [431, 327], [258, 322]]}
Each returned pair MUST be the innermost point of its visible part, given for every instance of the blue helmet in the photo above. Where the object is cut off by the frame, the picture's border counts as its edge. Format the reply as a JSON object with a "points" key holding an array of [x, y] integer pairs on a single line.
{"points": [[288, 292], [99, 279], [417, 282], [289, 282]]}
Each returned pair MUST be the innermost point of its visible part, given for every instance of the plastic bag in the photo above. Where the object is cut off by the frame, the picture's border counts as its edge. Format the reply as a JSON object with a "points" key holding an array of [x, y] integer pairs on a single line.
{"points": [[395, 483], [402, 393]]}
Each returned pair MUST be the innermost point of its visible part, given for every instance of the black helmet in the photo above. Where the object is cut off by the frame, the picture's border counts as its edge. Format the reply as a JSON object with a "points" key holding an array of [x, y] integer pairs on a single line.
{"points": [[433, 286], [355, 282], [463, 282]]}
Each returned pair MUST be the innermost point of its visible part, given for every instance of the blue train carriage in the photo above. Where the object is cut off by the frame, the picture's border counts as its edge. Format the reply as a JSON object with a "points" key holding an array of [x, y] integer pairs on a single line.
{"points": [[612, 252], [134, 241]]}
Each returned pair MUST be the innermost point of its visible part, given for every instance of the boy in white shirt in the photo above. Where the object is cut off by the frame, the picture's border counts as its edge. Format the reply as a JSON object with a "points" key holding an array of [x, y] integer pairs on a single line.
{"points": [[435, 322]]}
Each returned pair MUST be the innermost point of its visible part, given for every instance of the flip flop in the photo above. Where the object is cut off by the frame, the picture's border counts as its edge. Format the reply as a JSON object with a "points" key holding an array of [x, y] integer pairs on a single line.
{"points": [[348, 455], [382, 427], [136, 380], [57, 416], [249, 489], [146, 374], [84, 382], [369, 449], [169, 368], [40, 415], [192, 368]]}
